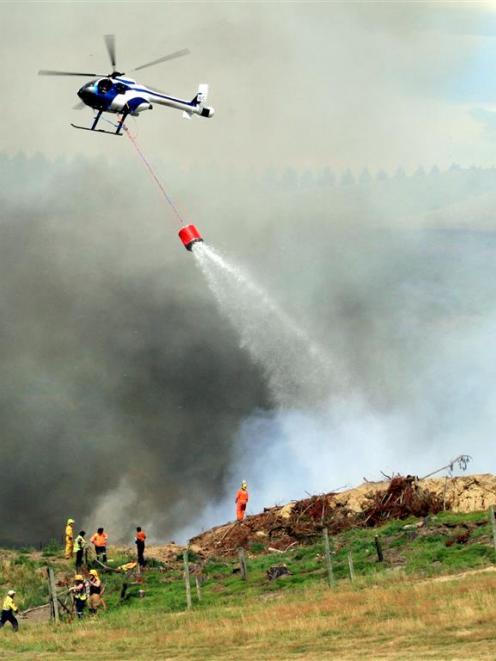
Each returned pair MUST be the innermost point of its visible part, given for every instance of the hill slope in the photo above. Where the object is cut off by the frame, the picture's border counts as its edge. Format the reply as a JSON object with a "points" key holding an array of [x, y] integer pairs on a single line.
{"points": [[432, 595], [368, 505]]}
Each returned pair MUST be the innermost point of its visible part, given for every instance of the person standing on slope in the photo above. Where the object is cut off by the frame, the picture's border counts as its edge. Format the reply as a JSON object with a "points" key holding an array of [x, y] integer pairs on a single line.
{"points": [[69, 539], [96, 591], [241, 500], [8, 609], [139, 540], [99, 540], [79, 595], [79, 547]]}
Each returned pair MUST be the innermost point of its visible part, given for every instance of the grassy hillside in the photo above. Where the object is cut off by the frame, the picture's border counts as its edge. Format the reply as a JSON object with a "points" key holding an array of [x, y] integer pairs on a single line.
{"points": [[401, 608]]}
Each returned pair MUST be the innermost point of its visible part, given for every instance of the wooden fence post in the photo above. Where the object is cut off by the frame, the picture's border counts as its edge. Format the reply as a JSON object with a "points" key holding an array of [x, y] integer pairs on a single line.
{"points": [[378, 548], [242, 564], [50, 600], [350, 565], [492, 518], [327, 551], [186, 579], [52, 591]]}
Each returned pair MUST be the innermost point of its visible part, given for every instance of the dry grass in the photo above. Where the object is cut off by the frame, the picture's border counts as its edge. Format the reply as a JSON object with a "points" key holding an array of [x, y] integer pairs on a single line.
{"points": [[395, 619]]}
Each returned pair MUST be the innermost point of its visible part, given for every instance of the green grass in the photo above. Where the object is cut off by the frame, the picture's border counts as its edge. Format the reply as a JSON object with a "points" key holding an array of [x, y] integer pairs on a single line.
{"points": [[419, 552], [385, 616], [413, 551]]}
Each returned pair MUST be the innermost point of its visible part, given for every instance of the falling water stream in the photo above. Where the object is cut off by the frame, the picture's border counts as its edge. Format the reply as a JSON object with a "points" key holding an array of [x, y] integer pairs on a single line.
{"points": [[297, 370]]}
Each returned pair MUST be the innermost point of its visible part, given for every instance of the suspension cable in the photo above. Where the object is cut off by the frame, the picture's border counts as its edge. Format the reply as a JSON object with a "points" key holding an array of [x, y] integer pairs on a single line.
{"points": [[154, 176], [150, 169]]}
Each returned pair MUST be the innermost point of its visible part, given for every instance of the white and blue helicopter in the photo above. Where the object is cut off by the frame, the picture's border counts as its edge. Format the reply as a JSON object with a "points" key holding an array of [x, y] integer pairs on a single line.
{"points": [[115, 93]]}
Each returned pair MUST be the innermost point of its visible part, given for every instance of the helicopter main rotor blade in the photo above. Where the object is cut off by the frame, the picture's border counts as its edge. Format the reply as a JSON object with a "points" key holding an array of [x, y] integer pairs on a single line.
{"points": [[110, 43], [50, 72], [171, 56]]}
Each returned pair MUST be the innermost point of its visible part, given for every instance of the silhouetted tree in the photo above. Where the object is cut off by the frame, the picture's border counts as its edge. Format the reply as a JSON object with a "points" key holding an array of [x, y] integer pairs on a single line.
{"points": [[307, 180], [326, 178], [347, 178], [365, 177], [289, 180]]}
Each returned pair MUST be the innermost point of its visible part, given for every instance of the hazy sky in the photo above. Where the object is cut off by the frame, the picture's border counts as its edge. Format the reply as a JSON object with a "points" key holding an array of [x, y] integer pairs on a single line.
{"points": [[348, 85]]}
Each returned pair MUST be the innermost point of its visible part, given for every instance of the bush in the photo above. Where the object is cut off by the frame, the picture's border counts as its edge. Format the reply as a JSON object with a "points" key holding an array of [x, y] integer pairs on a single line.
{"points": [[52, 548]]}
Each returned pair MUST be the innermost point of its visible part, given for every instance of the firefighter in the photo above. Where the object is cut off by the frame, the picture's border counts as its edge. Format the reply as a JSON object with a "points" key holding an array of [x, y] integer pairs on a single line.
{"points": [[79, 595], [69, 539], [99, 540], [139, 540], [80, 547], [241, 500], [96, 591], [8, 609]]}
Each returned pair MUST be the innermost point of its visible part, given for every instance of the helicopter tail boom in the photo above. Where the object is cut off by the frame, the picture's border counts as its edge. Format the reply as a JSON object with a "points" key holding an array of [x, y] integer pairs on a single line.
{"points": [[194, 107]]}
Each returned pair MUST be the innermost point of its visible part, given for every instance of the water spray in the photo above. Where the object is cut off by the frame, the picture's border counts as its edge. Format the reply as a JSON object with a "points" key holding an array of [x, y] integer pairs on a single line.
{"points": [[297, 370]]}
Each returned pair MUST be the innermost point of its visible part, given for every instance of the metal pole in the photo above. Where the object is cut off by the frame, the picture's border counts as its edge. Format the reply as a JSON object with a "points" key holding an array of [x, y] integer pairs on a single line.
{"points": [[327, 551], [186, 579]]}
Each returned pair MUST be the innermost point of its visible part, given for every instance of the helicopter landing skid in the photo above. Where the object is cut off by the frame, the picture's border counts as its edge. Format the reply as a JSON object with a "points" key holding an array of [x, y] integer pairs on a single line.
{"points": [[86, 128]]}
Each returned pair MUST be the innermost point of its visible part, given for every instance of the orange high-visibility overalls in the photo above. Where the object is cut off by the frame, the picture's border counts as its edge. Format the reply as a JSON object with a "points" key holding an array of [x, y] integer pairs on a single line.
{"points": [[241, 500]]}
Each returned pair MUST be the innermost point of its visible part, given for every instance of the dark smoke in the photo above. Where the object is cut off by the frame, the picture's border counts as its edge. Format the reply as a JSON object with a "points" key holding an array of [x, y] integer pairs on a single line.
{"points": [[115, 364], [124, 391]]}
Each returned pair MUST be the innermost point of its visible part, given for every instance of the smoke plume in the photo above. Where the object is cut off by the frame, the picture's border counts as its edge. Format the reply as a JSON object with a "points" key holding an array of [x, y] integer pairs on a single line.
{"points": [[126, 397]]}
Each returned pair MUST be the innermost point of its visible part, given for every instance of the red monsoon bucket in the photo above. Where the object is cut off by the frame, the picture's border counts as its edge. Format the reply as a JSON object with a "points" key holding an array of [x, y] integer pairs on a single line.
{"points": [[189, 235]]}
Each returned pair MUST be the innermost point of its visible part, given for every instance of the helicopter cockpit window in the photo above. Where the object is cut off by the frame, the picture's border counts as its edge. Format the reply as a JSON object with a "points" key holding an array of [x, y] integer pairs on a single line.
{"points": [[104, 86], [120, 88]]}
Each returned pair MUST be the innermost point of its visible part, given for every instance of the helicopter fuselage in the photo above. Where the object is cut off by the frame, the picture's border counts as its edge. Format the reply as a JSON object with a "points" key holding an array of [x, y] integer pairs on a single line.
{"points": [[118, 94]]}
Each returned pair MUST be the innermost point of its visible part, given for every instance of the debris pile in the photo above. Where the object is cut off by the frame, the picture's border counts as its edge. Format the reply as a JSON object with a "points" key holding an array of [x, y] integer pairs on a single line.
{"points": [[371, 504], [404, 497]]}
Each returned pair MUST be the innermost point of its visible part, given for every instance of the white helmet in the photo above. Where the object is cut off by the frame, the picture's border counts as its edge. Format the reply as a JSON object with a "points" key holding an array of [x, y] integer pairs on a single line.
{"points": [[11, 593]]}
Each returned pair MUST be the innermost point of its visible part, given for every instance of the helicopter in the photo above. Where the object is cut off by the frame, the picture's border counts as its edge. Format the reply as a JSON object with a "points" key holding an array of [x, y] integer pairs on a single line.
{"points": [[118, 94]]}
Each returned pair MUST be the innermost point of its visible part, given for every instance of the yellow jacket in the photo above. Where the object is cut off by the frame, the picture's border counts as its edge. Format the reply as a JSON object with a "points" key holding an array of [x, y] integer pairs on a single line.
{"points": [[9, 605], [68, 533]]}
